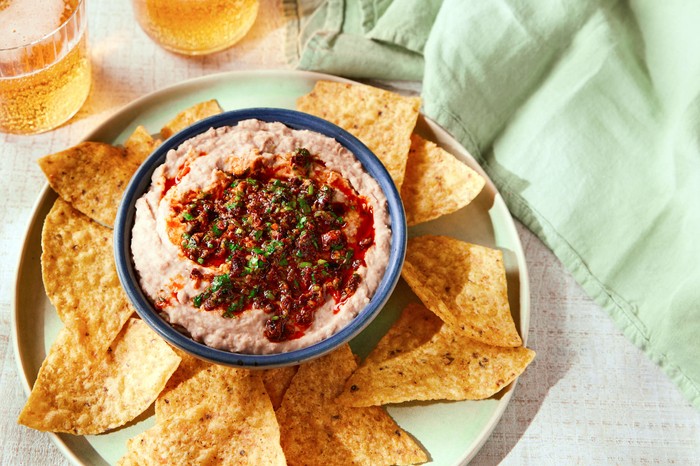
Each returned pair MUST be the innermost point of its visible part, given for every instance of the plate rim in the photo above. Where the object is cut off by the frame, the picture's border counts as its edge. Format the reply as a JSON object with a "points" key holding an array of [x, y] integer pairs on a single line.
{"points": [[524, 280]]}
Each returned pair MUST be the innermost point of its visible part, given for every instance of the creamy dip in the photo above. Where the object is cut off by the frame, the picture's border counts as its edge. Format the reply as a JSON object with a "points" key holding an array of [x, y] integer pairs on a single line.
{"points": [[259, 239]]}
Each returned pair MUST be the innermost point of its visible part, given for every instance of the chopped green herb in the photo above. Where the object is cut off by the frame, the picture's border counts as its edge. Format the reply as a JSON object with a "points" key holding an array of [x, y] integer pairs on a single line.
{"points": [[232, 308], [304, 205], [188, 242], [254, 262], [273, 245], [220, 281], [338, 218], [187, 216]]}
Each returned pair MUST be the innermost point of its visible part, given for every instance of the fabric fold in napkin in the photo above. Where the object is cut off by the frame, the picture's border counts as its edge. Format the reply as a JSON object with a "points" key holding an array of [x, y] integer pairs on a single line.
{"points": [[585, 114]]}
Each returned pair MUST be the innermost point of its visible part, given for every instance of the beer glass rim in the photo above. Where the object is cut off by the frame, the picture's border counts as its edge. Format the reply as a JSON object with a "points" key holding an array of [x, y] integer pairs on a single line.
{"points": [[51, 34]]}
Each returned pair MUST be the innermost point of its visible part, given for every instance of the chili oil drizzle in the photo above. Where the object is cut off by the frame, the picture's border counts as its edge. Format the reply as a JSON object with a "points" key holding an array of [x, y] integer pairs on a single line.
{"points": [[281, 243]]}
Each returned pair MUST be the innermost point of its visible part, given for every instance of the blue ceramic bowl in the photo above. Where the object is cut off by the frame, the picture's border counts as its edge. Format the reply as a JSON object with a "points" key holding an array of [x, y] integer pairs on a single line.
{"points": [[295, 120]]}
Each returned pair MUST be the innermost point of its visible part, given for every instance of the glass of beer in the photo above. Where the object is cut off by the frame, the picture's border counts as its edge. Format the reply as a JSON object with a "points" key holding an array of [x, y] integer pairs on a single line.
{"points": [[196, 27], [44, 66]]}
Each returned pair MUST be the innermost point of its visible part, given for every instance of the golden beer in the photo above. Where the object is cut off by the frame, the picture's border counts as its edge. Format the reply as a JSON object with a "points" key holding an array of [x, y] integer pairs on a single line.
{"points": [[196, 27], [44, 83]]}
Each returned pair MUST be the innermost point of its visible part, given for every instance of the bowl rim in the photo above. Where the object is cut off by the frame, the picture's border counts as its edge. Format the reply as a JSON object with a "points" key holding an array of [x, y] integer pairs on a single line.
{"points": [[295, 120]]}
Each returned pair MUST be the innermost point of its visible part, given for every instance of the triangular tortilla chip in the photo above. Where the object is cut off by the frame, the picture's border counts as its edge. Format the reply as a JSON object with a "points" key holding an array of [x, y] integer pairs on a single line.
{"points": [[447, 366], [80, 394], [140, 145], [318, 431], [465, 285], [382, 120], [436, 183], [91, 176], [189, 116], [221, 415], [277, 382], [80, 278], [405, 336], [169, 401]]}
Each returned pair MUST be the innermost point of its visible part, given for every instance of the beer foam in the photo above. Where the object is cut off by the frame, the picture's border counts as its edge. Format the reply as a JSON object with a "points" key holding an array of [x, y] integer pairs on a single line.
{"points": [[23, 21]]}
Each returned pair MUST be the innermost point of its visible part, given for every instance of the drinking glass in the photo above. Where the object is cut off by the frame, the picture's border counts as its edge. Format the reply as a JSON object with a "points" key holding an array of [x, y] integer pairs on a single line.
{"points": [[45, 81], [195, 27]]}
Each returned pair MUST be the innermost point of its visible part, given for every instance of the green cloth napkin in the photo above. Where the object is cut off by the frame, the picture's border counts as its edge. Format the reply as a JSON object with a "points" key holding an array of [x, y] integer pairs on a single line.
{"points": [[585, 114]]}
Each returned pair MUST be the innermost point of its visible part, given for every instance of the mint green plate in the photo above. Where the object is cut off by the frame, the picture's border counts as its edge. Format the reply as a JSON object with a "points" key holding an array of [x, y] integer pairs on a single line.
{"points": [[451, 432]]}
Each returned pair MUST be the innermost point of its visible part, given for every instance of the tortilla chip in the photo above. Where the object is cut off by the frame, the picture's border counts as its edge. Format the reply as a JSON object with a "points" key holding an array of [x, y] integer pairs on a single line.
{"points": [[465, 285], [133, 459], [402, 338], [91, 176], [80, 278], [277, 382], [382, 120], [195, 381], [82, 395], [447, 366], [189, 116], [436, 183], [221, 416], [140, 145], [318, 431], [169, 401]]}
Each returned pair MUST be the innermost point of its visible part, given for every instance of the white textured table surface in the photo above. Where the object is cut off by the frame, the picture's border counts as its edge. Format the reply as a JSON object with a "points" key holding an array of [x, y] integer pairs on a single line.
{"points": [[590, 397]]}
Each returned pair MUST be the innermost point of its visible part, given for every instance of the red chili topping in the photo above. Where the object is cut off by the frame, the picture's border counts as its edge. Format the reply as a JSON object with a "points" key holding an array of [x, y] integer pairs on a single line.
{"points": [[184, 170], [286, 241]]}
